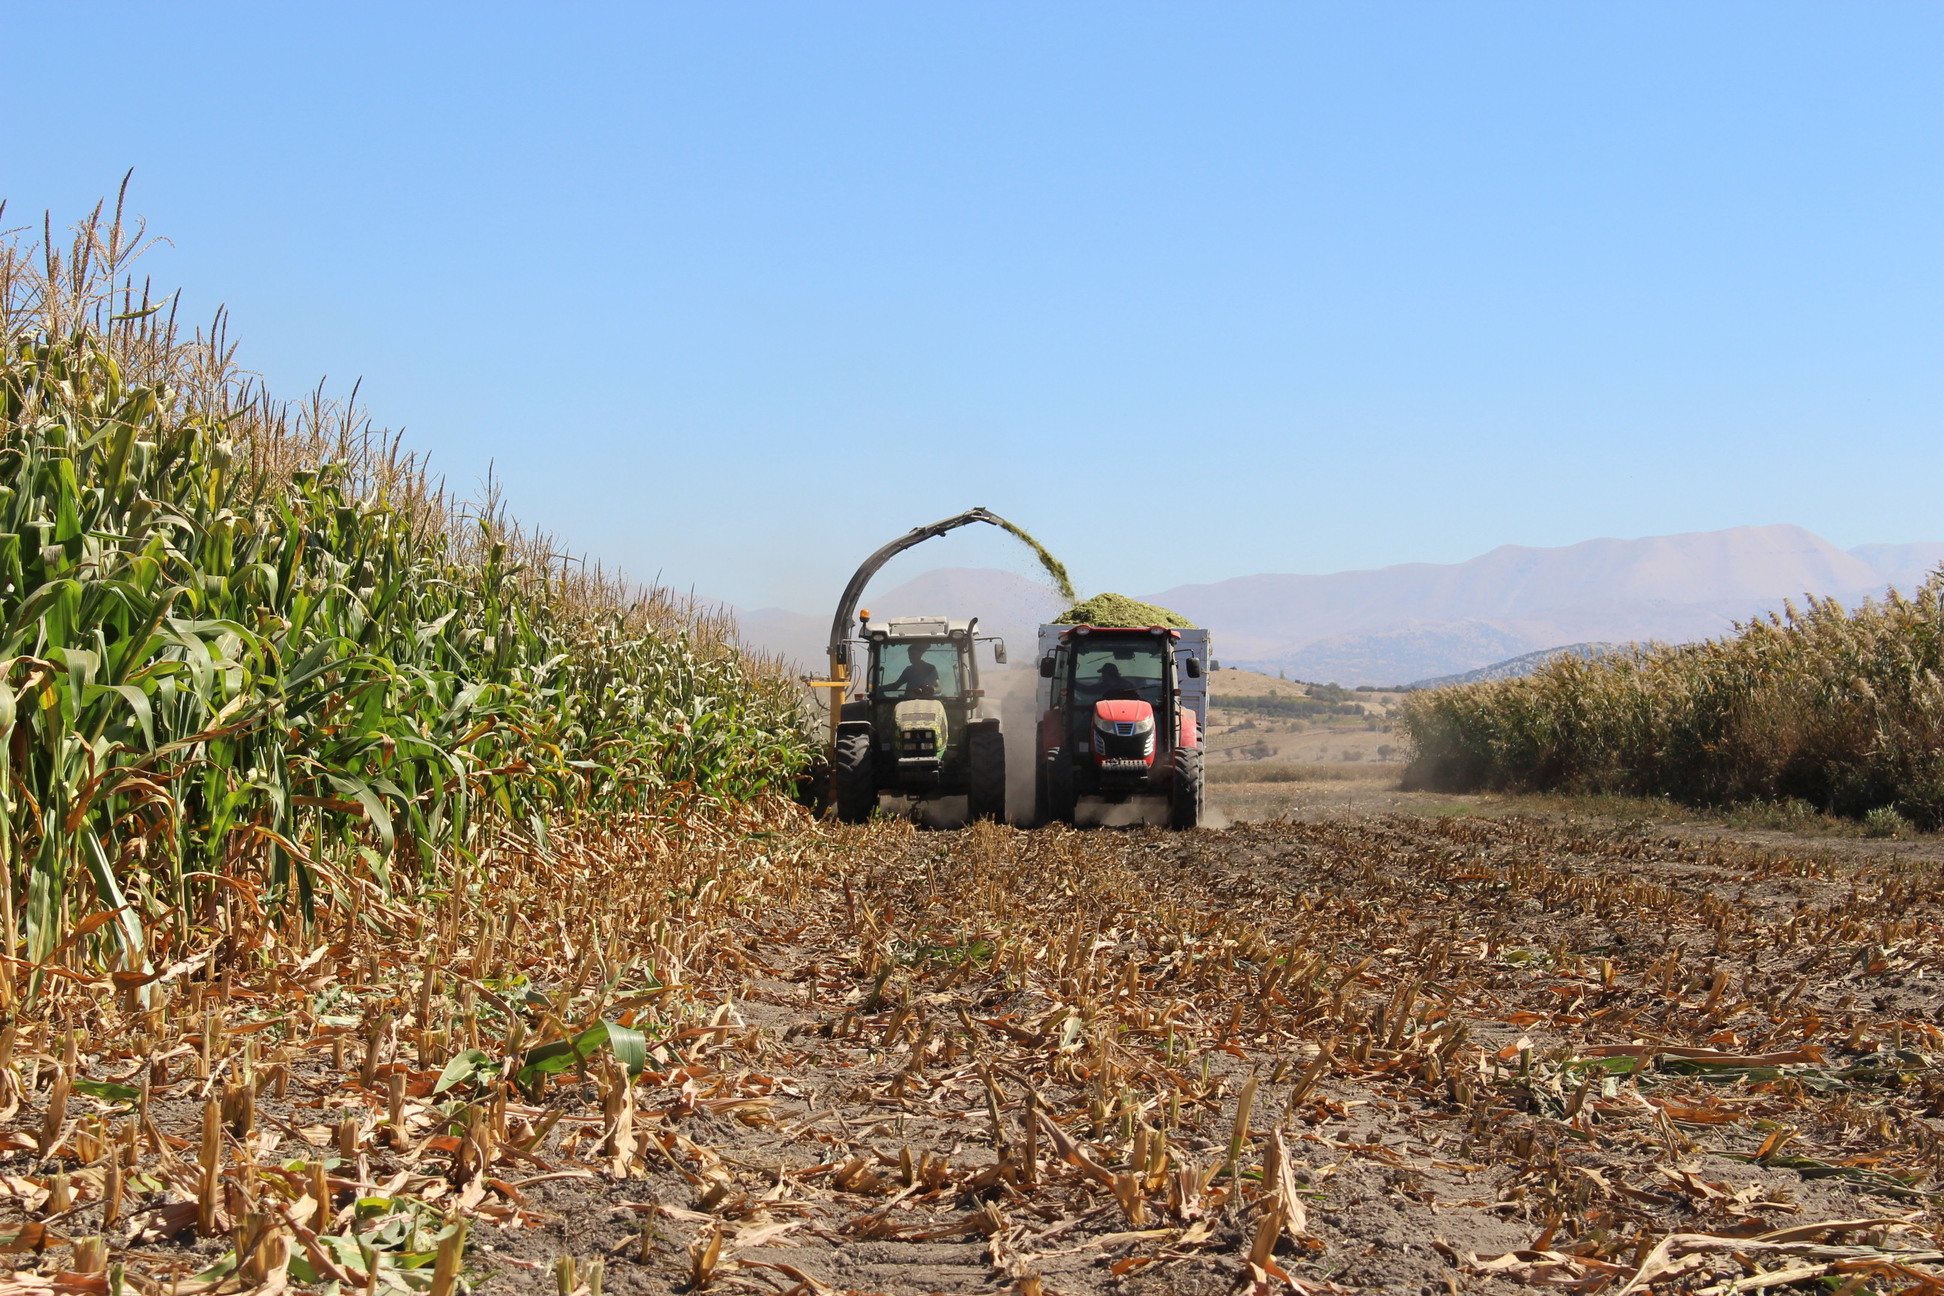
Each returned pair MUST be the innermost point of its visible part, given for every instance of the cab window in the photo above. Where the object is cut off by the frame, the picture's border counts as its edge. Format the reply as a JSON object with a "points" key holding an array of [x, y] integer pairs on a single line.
{"points": [[901, 677], [1118, 671]]}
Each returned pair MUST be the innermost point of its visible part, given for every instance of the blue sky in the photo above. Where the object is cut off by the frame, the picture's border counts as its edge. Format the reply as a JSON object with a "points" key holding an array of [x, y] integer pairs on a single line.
{"points": [[732, 293]]}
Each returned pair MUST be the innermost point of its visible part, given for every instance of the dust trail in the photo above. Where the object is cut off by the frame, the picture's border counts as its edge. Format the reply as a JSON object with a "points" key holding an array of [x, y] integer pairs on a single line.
{"points": [[1010, 691], [1054, 567], [938, 812], [1131, 813]]}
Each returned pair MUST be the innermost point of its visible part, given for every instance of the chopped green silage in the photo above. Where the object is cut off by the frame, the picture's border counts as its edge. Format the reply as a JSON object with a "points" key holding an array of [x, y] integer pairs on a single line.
{"points": [[1120, 610]]}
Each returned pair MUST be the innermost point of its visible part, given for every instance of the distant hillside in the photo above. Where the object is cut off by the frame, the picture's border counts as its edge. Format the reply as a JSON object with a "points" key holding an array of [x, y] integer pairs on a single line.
{"points": [[1431, 620], [1524, 664], [1007, 604], [1902, 565], [1397, 653]]}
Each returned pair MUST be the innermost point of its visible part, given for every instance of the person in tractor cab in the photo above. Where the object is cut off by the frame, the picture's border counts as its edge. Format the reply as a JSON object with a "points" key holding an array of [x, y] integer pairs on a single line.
{"points": [[1114, 687], [919, 679]]}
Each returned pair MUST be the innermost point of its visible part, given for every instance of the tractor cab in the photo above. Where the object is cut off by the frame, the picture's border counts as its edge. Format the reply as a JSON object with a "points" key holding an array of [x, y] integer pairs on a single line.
{"points": [[918, 728], [924, 694], [1118, 719]]}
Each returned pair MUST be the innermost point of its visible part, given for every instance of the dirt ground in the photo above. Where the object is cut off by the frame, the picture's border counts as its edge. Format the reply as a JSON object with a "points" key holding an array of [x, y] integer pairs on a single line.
{"points": [[1239, 734], [1364, 1047]]}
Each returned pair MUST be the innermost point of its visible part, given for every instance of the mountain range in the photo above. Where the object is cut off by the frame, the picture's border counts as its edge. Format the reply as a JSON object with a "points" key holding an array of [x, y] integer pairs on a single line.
{"points": [[1390, 625], [1522, 665]]}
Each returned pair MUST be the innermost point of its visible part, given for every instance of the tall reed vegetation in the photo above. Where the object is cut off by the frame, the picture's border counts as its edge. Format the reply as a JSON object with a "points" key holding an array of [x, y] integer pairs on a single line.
{"points": [[1840, 708], [249, 647]]}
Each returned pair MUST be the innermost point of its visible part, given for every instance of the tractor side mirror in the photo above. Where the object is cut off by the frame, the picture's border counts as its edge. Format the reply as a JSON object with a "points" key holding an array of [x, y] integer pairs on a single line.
{"points": [[999, 651], [1194, 667], [1046, 666]]}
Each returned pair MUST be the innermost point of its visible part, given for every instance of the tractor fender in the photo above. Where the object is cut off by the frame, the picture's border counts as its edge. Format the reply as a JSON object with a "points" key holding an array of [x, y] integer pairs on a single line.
{"points": [[1190, 730], [860, 725], [855, 713], [1052, 731]]}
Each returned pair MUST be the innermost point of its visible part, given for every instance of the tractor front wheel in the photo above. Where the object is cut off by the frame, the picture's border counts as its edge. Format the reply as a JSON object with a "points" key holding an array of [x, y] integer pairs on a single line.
{"points": [[986, 758], [1185, 797], [856, 777]]}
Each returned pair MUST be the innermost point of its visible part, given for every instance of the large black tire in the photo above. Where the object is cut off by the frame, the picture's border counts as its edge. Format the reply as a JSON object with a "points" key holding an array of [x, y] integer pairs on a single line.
{"points": [[1061, 803], [985, 755], [856, 777], [1185, 797]]}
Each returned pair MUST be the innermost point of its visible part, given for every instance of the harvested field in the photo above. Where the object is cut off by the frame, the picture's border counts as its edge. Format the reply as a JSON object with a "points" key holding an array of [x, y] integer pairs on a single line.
{"points": [[1382, 1054]]}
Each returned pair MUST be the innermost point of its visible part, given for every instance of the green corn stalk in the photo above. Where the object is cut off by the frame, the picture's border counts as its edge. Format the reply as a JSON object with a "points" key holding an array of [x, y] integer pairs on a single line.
{"points": [[238, 638]]}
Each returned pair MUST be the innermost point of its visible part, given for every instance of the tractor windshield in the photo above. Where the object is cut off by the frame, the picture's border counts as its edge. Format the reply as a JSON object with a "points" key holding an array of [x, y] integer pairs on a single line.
{"points": [[1108, 671], [917, 668]]}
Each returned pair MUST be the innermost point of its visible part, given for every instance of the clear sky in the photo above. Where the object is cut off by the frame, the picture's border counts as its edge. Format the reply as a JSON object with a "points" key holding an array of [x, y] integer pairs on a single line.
{"points": [[734, 292]]}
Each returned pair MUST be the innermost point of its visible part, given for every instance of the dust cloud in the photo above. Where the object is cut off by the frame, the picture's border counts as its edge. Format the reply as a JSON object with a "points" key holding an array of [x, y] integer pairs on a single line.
{"points": [[1011, 689]]}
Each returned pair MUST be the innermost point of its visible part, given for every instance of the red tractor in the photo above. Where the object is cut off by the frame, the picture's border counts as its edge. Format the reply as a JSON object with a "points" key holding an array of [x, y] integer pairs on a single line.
{"points": [[1121, 715]]}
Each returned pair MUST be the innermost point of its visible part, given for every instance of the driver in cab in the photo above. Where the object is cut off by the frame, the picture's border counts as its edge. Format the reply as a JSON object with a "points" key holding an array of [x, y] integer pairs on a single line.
{"points": [[1114, 686], [917, 680]]}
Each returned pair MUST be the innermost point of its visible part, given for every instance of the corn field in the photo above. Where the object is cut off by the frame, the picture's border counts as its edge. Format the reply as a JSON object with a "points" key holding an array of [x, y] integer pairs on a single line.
{"points": [[746, 1054], [252, 650], [393, 908], [1840, 708]]}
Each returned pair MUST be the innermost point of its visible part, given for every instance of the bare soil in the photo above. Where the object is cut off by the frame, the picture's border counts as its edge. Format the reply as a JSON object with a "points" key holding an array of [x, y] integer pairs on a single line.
{"points": [[1481, 1054]]}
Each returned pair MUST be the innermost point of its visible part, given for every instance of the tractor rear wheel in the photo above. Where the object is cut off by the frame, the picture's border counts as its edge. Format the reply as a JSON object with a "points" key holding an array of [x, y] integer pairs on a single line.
{"points": [[856, 777], [1061, 803], [986, 772], [1185, 797]]}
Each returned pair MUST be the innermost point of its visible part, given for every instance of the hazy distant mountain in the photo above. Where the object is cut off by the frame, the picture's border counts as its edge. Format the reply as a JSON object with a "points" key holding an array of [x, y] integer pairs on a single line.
{"points": [[1362, 625], [1902, 565], [1524, 664], [1006, 603], [1423, 620], [1512, 583], [797, 637], [1392, 655]]}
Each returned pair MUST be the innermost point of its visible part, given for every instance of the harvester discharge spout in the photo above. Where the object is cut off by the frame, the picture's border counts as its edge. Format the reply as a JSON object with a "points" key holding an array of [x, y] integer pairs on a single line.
{"points": [[840, 625], [919, 726]]}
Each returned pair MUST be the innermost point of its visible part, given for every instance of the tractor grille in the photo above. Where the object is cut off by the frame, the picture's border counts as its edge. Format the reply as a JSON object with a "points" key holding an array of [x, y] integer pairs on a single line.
{"points": [[920, 744], [1123, 743]]}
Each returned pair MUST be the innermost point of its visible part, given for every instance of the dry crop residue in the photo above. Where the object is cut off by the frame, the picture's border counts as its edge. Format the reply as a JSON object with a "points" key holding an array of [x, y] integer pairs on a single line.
{"points": [[1397, 1055]]}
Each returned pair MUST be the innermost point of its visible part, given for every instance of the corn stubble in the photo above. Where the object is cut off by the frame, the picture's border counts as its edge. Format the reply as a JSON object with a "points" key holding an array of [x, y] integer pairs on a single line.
{"points": [[1157, 1052]]}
